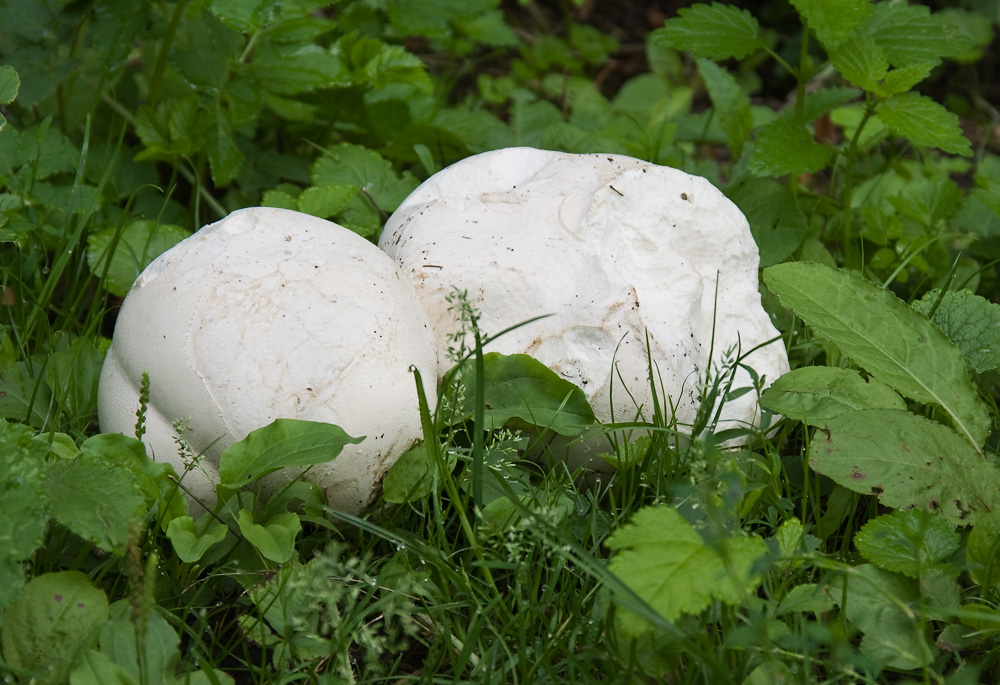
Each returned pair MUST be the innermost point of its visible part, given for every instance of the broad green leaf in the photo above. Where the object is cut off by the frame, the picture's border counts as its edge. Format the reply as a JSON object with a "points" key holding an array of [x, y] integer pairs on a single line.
{"points": [[325, 201], [776, 222], [815, 394], [22, 503], [970, 321], [861, 61], [888, 339], [244, 16], [785, 148], [275, 539], [366, 170], [907, 541], [73, 374], [906, 461], [52, 623], [982, 550], [833, 21], [135, 246], [203, 52], [671, 567], [280, 199], [96, 499], [9, 85], [284, 443], [293, 69], [924, 122], [910, 34], [191, 538], [715, 31], [153, 478], [902, 79], [94, 668], [520, 387], [732, 105], [377, 64], [874, 598], [225, 159]]}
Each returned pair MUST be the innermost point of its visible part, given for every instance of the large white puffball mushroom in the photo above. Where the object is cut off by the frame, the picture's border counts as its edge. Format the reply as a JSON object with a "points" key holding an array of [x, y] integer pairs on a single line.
{"points": [[271, 314], [613, 249]]}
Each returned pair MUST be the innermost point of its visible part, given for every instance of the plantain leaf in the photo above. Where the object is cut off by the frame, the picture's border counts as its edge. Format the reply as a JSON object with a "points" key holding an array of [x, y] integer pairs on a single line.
{"points": [[815, 394], [884, 336]]}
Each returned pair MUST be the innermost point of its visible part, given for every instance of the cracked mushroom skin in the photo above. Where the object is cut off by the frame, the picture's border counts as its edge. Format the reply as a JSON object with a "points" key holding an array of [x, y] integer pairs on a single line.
{"points": [[271, 314], [613, 249]]}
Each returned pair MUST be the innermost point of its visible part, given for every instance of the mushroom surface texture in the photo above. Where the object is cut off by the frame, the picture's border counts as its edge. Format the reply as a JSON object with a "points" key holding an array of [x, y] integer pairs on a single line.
{"points": [[271, 314], [614, 249]]}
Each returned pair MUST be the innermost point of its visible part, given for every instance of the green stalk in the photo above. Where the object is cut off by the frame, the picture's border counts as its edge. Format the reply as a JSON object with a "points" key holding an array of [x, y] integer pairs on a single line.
{"points": [[846, 197]]}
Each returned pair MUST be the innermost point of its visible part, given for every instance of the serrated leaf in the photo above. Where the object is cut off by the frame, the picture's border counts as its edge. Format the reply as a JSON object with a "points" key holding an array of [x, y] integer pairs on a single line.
{"points": [[22, 503], [283, 443], [325, 201], [970, 321], [903, 79], [56, 619], [78, 490], [245, 16], [274, 539], [906, 461], [887, 338], [225, 159], [366, 170], [670, 566], [294, 69], [713, 31], [732, 105], [910, 34], [10, 82], [786, 148], [520, 387], [135, 246], [861, 61], [776, 222], [833, 21], [907, 541], [925, 122], [814, 394]]}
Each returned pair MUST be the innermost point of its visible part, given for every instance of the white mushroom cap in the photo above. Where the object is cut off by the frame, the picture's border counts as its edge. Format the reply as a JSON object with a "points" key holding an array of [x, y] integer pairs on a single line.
{"points": [[613, 248], [271, 314]]}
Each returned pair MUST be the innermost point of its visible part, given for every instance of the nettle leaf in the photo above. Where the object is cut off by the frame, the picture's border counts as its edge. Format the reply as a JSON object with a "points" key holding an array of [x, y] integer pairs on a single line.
{"points": [[903, 79], [786, 148], [283, 443], [907, 541], [56, 619], [886, 337], [815, 394], [910, 34], [518, 386], [225, 159], [10, 82], [731, 104], [970, 321], [22, 503], [906, 461], [713, 31], [290, 69], [833, 20], [675, 571], [77, 494], [925, 122], [135, 247], [323, 201], [861, 61], [375, 63], [244, 16], [776, 222], [367, 171]]}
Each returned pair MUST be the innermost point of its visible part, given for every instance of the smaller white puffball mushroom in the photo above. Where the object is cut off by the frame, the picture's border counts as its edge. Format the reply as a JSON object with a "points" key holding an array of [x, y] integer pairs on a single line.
{"points": [[271, 314], [613, 249]]}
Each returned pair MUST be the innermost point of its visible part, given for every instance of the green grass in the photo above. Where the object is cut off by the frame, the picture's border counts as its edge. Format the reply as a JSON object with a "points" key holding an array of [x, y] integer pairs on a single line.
{"points": [[128, 127]]}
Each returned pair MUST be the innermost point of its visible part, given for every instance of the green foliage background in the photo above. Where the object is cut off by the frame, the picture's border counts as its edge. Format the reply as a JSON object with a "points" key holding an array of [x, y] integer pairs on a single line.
{"points": [[854, 540]]}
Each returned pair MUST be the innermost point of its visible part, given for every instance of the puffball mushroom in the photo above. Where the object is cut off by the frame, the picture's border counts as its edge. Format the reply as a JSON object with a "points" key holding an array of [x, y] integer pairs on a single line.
{"points": [[613, 249], [270, 314]]}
